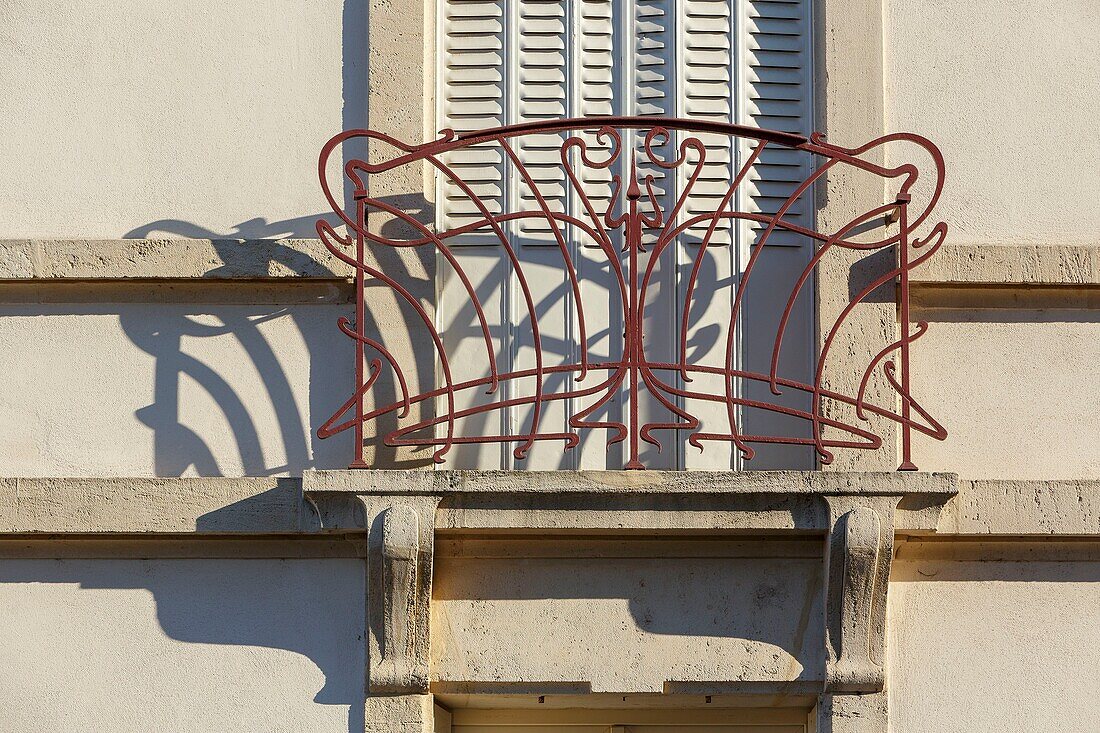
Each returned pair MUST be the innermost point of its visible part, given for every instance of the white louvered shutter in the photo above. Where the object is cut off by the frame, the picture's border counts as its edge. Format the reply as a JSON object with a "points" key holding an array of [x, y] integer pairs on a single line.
{"points": [[473, 91], [776, 92], [742, 61]]}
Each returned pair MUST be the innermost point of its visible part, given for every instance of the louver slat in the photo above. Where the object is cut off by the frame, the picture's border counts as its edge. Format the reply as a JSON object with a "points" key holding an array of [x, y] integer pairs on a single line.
{"points": [[707, 67], [541, 92], [776, 95], [654, 85], [473, 98]]}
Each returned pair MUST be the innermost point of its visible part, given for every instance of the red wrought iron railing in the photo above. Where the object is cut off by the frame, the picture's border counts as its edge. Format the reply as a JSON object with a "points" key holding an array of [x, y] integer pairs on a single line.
{"points": [[632, 228]]}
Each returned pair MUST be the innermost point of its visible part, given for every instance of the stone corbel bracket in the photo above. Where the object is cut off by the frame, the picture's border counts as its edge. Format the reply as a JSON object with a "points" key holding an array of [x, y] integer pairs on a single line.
{"points": [[397, 596], [400, 548], [858, 550], [400, 533]]}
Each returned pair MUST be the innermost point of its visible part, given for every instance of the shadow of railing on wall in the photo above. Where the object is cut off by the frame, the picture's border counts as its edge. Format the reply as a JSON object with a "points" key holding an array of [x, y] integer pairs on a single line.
{"points": [[240, 309]]}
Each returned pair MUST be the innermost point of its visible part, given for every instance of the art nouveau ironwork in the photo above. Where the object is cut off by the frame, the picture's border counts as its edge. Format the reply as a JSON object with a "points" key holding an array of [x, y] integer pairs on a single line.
{"points": [[633, 228]]}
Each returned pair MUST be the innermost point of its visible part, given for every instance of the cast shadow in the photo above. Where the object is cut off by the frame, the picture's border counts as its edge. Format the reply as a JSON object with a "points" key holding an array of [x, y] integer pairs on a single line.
{"points": [[279, 604], [773, 605], [178, 449]]}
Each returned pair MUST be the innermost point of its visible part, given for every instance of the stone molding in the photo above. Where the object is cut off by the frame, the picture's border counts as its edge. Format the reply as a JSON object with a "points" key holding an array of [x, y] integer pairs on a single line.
{"points": [[1012, 264], [459, 482], [175, 508], [153, 506], [168, 259], [649, 501], [282, 259], [1024, 509]]}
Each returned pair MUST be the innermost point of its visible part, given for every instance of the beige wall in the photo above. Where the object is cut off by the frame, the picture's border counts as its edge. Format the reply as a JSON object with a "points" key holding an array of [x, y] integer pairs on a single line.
{"points": [[171, 389], [181, 645], [1008, 92], [197, 120], [628, 624], [204, 120], [994, 646], [208, 115], [1017, 390]]}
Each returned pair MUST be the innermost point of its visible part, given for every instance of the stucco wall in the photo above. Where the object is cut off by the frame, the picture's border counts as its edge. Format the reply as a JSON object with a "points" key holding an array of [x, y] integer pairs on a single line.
{"points": [[1008, 92], [170, 389], [994, 646], [205, 120], [1017, 390], [626, 624], [189, 119], [181, 645]]}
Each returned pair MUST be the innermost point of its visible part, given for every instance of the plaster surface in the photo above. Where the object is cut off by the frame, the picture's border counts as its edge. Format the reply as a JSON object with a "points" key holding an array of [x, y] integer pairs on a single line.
{"points": [[160, 117], [1008, 94], [626, 624], [147, 389], [994, 646], [1017, 390], [182, 645]]}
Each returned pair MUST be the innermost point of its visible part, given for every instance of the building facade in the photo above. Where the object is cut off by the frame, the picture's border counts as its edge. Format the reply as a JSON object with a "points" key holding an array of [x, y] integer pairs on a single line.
{"points": [[182, 551]]}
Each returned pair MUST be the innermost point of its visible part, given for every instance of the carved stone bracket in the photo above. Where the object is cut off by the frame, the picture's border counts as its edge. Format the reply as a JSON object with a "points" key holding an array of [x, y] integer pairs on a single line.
{"points": [[400, 542], [859, 547], [397, 667]]}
